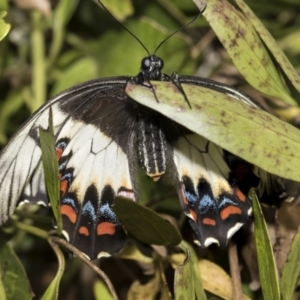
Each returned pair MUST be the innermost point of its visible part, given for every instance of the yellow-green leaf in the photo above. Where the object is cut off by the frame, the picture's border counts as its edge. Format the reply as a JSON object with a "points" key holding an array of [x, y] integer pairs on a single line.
{"points": [[216, 280], [266, 262], [50, 166], [52, 291], [271, 44], [244, 130], [291, 270], [4, 27], [246, 49]]}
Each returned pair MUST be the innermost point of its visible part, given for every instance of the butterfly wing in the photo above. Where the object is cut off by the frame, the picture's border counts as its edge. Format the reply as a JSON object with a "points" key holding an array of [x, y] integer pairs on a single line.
{"points": [[215, 208], [94, 132], [95, 146], [20, 159]]}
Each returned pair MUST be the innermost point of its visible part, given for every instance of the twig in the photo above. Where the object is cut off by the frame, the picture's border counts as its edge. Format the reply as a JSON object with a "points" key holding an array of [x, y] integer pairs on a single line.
{"points": [[83, 257], [235, 271]]}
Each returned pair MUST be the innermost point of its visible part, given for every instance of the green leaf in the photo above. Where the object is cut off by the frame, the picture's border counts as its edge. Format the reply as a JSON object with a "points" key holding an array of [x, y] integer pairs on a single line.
{"points": [[246, 49], [196, 278], [13, 280], [121, 9], [52, 291], [81, 70], [271, 44], [216, 280], [145, 291], [245, 131], [4, 27], [144, 224], [50, 165], [184, 284], [266, 262], [101, 291], [291, 270], [133, 253], [61, 16]]}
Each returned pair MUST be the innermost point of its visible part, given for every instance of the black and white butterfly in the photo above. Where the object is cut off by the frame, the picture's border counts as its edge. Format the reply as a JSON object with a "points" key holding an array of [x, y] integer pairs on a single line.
{"points": [[102, 135]]}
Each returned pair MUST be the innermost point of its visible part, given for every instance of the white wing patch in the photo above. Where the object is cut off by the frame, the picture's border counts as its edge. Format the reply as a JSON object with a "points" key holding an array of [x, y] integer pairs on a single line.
{"points": [[196, 158], [95, 158], [20, 158]]}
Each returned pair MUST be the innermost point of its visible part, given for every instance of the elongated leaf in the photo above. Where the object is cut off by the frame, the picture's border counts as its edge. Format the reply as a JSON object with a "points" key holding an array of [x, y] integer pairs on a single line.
{"points": [[62, 13], [133, 253], [121, 9], [245, 131], [216, 280], [266, 262], [198, 283], [52, 291], [271, 44], [4, 27], [245, 48], [145, 291], [51, 169], [13, 280], [291, 270], [145, 224], [101, 291], [184, 284]]}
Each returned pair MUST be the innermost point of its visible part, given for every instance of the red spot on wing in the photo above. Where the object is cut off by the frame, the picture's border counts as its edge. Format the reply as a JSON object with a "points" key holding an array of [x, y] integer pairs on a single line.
{"points": [[230, 210], [208, 221], [106, 228], [59, 152], [64, 184], [84, 230], [69, 212], [185, 201], [193, 215], [240, 194]]}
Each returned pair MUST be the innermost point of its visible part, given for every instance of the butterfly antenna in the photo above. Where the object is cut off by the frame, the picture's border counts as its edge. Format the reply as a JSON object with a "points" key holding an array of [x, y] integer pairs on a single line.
{"points": [[195, 18], [136, 38]]}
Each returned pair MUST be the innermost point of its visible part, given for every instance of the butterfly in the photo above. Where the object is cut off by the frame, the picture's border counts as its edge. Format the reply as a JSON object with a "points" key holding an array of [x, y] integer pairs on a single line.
{"points": [[102, 136]]}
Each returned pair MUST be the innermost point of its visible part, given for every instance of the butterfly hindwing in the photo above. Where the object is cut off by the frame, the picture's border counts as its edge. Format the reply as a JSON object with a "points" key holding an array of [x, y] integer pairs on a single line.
{"points": [[215, 208]]}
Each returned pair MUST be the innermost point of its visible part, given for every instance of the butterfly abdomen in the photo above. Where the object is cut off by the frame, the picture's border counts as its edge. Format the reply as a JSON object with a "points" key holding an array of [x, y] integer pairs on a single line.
{"points": [[152, 149]]}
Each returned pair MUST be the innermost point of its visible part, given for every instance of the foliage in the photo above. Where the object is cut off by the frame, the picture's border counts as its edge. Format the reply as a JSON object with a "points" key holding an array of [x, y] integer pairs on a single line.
{"points": [[53, 46]]}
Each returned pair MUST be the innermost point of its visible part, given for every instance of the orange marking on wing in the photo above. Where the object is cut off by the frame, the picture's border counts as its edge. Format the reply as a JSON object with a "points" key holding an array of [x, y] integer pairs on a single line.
{"points": [[106, 228], [69, 212], [208, 221], [185, 201], [230, 210], [58, 153], [193, 214], [240, 194], [64, 186], [84, 230]]}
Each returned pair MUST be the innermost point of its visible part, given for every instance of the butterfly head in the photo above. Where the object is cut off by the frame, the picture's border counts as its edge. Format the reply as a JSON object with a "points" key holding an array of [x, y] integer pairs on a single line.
{"points": [[151, 67]]}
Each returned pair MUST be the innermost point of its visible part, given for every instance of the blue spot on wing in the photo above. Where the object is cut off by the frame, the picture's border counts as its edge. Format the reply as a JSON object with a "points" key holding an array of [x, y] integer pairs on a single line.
{"points": [[192, 199], [206, 204], [62, 145], [89, 210], [226, 202], [106, 212]]}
